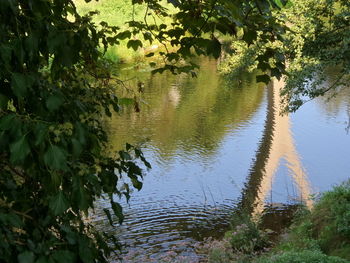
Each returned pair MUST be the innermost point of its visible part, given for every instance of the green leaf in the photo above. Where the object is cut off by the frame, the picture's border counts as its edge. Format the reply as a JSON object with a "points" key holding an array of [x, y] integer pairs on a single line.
{"points": [[136, 183], [19, 150], [40, 132], [80, 132], [281, 3], [26, 257], [176, 32], [55, 158], [12, 220], [124, 35], [58, 203], [67, 56], [163, 26], [6, 122], [54, 102], [19, 84], [83, 199], [150, 54], [109, 216], [44, 259], [85, 252], [214, 48], [31, 44], [275, 72], [56, 40], [3, 101], [263, 66], [18, 51], [64, 256], [249, 36], [148, 36], [134, 44], [56, 179], [118, 211], [173, 56], [145, 162], [77, 147], [80, 195], [263, 78], [124, 155], [5, 53], [126, 101]]}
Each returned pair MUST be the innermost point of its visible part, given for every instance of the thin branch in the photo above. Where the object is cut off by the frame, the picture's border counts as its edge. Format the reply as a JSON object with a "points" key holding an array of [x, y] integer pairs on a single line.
{"points": [[154, 35], [257, 5], [206, 20], [329, 88], [23, 215]]}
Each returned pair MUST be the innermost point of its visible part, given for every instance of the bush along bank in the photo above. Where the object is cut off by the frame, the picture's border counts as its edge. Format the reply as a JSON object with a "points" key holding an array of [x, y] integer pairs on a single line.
{"points": [[319, 235]]}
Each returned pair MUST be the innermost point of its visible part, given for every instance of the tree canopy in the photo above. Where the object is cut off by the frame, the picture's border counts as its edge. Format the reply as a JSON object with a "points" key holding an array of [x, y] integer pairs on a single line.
{"points": [[55, 162]]}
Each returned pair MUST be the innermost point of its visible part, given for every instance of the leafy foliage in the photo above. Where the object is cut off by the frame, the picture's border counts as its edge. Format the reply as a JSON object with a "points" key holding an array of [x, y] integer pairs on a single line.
{"points": [[301, 257], [55, 161], [325, 228], [315, 39], [317, 235], [198, 25], [319, 41], [246, 237]]}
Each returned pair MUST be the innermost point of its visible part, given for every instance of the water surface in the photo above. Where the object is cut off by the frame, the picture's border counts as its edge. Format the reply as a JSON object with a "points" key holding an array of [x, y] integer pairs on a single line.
{"points": [[218, 145]]}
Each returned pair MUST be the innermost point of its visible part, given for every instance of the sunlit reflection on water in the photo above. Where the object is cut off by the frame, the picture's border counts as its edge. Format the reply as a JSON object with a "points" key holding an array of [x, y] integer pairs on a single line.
{"points": [[216, 146]]}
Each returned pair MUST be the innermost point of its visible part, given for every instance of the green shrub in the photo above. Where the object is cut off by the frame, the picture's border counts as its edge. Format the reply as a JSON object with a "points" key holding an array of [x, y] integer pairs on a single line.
{"points": [[325, 228], [331, 218], [55, 154], [246, 237], [301, 257], [218, 255], [299, 237]]}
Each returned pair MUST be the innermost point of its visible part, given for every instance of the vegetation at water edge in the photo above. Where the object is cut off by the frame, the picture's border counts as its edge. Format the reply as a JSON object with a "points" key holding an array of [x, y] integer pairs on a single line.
{"points": [[317, 235]]}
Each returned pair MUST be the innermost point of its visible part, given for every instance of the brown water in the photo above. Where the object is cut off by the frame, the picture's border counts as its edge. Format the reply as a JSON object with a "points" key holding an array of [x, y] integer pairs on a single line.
{"points": [[216, 146]]}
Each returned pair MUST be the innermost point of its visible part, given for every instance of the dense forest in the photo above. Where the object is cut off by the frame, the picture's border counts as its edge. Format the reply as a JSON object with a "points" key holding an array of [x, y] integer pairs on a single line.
{"points": [[58, 86]]}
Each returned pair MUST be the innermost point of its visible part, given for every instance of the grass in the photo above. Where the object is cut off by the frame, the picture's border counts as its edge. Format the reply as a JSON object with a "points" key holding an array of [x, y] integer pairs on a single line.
{"points": [[321, 235], [326, 227], [114, 12], [117, 13]]}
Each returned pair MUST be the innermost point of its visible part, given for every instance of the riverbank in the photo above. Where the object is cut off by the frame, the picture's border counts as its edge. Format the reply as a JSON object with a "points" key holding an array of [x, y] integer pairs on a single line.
{"points": [[320, 234], [118, 13]]}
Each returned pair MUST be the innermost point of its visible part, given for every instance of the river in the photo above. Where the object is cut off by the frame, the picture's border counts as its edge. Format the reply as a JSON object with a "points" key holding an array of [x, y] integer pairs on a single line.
{"points": [[216, 146]]}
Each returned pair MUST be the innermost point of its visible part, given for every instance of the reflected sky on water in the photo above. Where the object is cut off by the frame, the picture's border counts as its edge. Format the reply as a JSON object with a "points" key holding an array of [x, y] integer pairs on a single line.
{"points": [[213, 143]]}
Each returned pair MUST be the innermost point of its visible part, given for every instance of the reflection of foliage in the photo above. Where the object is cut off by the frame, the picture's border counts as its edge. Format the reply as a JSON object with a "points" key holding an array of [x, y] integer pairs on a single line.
{"points": [[317, 39], [189, 113], [242, 59]]}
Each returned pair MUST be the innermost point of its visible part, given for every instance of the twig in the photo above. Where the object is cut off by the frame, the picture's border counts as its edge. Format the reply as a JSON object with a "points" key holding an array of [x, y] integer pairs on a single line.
{"points": [[206, 20], [329, 88], [24, 214], [154, 35]]}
